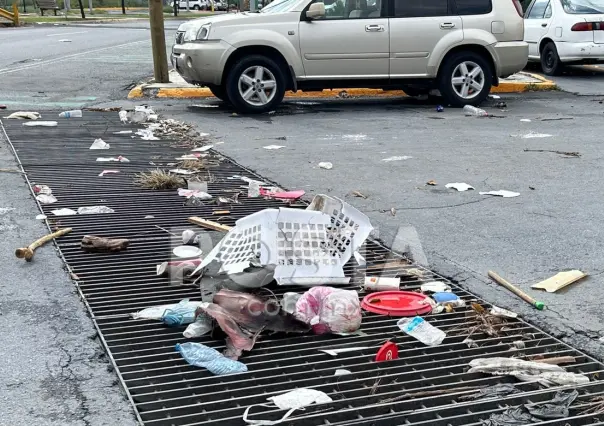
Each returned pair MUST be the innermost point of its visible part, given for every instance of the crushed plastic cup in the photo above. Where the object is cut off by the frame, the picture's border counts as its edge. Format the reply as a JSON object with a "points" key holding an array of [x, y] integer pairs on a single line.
{"points": [[421, 330]]}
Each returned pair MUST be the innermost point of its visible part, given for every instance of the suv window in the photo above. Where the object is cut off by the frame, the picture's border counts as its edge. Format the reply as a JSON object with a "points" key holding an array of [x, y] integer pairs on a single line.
{"points": [[353, 9], [416, 9], [473, 7], [538, 9]]}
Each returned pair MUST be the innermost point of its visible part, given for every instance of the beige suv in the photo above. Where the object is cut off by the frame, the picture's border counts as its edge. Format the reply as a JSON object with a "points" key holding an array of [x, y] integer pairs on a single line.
{"points": [[460, 47]]}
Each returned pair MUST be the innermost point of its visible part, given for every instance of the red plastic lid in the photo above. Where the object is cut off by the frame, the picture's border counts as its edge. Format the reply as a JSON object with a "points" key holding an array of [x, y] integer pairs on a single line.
{"points": [[397, 303], [387, 352]]}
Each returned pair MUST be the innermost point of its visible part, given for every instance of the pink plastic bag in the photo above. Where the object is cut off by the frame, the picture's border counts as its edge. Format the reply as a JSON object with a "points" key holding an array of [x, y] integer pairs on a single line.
{"points": [[329, 310]]}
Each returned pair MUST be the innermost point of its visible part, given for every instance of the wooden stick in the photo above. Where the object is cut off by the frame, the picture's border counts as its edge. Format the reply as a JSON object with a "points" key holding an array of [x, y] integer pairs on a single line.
{"points": [[27, 253], [516, 291], [92, 244], [215, 226], [557, 360]]}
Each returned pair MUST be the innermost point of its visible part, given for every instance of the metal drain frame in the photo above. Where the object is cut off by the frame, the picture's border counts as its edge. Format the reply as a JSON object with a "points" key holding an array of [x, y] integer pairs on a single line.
{"points": [[310, 410]]}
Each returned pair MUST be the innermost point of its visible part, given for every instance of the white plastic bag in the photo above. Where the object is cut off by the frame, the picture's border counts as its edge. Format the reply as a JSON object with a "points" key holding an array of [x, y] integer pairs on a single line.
{"points": [[329, 310], [292, 401], [157, 312]]}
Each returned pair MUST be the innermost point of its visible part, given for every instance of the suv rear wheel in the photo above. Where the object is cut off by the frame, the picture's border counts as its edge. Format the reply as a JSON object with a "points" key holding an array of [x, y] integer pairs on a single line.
{"points": [[255, 84], [465, 79]]}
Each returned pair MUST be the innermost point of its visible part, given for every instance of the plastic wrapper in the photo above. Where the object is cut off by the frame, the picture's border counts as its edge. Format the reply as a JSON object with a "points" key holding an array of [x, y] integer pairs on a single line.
{"points": [[157, 312], [527, 371], [182, 313], [46, 199], [201, 326], [95, 210], [329, 310]]}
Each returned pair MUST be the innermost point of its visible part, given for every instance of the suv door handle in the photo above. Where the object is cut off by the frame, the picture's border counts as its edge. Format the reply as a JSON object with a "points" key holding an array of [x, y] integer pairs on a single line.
{"points": [[447, 25], [374, 28], [544, 24]]}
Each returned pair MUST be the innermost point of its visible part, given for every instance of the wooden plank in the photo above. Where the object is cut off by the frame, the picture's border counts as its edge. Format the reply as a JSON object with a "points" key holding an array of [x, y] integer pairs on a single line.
{"points": [[560, 280], [209, 224]]}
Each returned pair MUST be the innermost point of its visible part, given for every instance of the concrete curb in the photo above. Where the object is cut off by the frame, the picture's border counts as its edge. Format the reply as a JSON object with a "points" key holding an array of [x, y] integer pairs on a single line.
{"points": [[178, 91]]}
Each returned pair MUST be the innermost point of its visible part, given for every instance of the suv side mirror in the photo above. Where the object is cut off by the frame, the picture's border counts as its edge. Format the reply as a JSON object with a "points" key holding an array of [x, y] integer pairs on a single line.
{"points": [[316, 11]]}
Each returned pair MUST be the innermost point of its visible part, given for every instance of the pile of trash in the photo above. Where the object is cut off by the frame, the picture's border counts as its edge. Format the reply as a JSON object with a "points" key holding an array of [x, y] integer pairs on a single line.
{"points": [[155, 126]]}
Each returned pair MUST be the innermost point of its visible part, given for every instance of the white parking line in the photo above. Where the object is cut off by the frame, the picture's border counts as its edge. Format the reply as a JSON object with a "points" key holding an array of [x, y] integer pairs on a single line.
{"points": [[62, 34], [67, 57]]}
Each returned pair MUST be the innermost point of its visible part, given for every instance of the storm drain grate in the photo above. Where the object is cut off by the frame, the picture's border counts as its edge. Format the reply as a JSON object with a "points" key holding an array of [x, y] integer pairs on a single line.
{"points": [[165, 390]]}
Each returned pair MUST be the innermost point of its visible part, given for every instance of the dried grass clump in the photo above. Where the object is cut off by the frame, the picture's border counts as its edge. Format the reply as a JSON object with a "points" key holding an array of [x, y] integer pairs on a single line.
{"points": [[158, 179], [192, 165]]}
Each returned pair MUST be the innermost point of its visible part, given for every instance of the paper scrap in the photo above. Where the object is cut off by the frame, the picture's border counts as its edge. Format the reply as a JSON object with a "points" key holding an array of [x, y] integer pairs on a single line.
{"points": [[146, 135], [500, 312], [342, 372], [274, 147], [46, 199], [203, 148], [64, 40], [41, 124], [460, 186], [397, 158], [27, 115], [525, 120], [106, 172], [560, 280], [99, 144], [182, 172], [64, 212], [41, 217], [326, 165], [123, 132], [501, 193], [95, 210], [334, 352]]}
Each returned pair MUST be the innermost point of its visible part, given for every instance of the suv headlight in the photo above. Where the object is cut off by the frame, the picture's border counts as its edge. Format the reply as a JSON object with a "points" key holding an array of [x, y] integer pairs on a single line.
{"points": [[204, 32], [197, 32]]}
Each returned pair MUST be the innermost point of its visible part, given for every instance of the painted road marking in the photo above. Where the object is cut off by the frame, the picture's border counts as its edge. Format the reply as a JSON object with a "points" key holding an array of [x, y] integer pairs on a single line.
{"points": [[62, 34], [67, 57]]}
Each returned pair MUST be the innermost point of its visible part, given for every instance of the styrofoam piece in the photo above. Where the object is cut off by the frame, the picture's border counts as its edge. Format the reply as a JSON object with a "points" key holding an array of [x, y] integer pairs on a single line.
{"points": [[41, 124]]}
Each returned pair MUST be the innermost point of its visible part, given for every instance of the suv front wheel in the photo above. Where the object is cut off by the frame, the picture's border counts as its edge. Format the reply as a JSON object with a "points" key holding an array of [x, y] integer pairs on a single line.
{"points": [[465, 79], [255, 84]]}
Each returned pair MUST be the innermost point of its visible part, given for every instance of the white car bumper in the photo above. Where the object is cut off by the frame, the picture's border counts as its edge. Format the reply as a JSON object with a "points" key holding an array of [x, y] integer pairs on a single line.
{"points": [[580, 52]]}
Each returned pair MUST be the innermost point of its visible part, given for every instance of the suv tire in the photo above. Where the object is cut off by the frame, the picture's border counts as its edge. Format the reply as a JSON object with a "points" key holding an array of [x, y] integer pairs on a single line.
{"points": [[550, 61], [466, 73], [247, 81], [196, 7], [219, 92]]}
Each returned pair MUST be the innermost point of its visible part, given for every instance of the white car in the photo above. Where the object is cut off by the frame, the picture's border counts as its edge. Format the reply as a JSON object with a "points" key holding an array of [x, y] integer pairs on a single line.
{"points": [[564, 32], [193, 4]]}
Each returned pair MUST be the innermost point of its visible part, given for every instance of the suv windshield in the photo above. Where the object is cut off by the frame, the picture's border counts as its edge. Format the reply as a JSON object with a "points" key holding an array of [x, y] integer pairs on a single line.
{"points": [[278, 6], [577, 7]]}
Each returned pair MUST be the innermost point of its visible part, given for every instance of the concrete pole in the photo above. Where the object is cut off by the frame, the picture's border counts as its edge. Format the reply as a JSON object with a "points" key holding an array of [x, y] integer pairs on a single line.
{"points": [[158, 41], [67, 5], [188, 10], [90, 5]]}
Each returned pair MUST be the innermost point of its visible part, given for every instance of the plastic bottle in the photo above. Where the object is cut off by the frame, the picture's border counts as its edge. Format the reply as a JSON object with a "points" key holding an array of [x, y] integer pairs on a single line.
{"points": [[76, 113], [422, 330], [476, 112], [203, 356]]}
